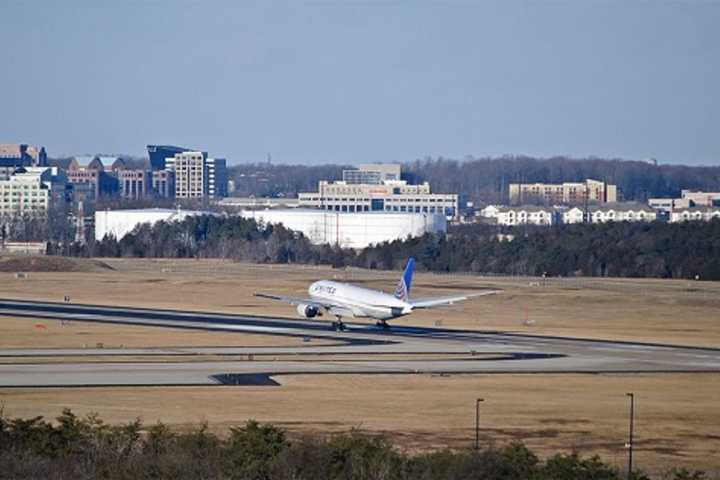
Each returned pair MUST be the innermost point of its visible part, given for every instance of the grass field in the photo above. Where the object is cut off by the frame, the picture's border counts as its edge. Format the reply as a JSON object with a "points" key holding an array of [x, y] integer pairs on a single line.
{"points": [[677, 414]]}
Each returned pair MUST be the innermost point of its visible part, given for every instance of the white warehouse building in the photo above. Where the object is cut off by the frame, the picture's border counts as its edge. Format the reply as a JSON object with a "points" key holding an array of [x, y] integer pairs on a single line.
{"points": [[118, 223], [352, 230]]}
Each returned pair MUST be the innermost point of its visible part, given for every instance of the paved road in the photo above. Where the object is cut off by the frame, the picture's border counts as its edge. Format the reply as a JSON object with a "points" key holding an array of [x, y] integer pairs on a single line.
{"points": [[360, 349]]}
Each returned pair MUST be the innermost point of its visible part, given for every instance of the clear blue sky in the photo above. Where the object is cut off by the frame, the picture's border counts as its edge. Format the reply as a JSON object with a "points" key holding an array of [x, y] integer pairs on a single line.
{"points": [[368, 81]]}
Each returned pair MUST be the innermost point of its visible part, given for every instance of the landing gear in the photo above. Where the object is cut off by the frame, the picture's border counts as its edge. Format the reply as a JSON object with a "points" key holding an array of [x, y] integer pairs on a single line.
{"points": [[382, 324], [338, 325]]}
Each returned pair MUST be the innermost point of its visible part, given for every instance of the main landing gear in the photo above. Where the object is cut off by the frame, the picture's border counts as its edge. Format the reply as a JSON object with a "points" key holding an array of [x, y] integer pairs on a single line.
{"points": [[382, 324], [338, 325]]}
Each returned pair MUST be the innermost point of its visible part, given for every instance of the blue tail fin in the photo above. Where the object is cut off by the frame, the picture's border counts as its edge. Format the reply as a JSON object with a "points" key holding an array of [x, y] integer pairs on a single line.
{"points": [[402, 291]]}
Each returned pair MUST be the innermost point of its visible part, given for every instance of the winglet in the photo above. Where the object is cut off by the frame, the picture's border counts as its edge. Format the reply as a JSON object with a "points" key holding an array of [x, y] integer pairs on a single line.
{"points": [[402, 290]]}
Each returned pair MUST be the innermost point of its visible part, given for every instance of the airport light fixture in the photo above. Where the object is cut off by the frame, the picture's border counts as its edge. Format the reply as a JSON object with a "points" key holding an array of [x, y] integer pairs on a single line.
{"points": [[477, 422], [630, 440]]}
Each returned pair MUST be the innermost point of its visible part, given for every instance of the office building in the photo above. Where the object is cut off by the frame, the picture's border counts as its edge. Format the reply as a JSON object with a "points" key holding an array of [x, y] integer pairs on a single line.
{"points": [[259, 202], [158, 154], [568, 193], [217, 177], [14, 156], [191, 174], [89, 177], [700, 199], [134, 183], [372, 174], [163, 183], [387, 196], [33, 191], [197, 176]]}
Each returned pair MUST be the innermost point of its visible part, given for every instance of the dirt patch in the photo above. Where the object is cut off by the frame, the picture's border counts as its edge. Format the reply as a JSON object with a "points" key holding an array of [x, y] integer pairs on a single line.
{"points": [[51, 264]]}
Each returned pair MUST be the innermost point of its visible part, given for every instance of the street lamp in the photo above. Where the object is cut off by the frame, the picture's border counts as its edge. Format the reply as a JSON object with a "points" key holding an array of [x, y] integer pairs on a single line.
{"points": [[630, 441], [477, 422]]}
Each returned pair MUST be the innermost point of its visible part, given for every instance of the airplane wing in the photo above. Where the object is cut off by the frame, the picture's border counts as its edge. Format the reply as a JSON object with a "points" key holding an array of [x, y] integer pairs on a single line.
{"points": [[436, 302], [296, 301]]}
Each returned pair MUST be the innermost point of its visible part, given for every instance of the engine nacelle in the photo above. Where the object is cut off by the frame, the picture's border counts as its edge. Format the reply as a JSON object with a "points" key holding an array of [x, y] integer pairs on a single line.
{"points": [[308, 311]]}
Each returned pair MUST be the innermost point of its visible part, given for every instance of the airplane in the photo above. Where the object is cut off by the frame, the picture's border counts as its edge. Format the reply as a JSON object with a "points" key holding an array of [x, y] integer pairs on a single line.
{"points": [[346, 300]]}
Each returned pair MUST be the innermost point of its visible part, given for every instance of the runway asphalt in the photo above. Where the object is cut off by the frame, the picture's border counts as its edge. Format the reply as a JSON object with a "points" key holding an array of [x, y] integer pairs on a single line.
{"points": [[361, 348]]}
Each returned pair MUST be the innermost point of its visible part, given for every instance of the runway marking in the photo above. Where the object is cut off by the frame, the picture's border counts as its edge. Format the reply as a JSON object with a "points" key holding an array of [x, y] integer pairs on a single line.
{"points": [[522, 353]]}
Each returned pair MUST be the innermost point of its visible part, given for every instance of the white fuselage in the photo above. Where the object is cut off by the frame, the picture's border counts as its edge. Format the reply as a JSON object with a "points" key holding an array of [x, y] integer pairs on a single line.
{"points": [[361, 302]]}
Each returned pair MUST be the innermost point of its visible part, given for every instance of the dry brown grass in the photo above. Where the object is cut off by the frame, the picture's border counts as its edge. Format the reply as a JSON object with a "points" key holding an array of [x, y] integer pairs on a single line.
{"points": [[676, 416], [668, 311], [43, 333]]}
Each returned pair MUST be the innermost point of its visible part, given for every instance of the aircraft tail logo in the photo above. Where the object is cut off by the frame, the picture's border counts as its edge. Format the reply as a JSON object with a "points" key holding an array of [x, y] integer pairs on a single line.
{"points": [[402, 290]]}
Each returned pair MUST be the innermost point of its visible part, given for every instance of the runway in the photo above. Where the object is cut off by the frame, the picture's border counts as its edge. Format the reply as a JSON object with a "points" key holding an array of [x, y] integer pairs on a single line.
{"points": [[361, 348]]}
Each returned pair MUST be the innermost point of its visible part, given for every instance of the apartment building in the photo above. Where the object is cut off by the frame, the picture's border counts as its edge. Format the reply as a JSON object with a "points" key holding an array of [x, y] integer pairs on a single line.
{"points": [[568, 193], [705, 214], [617, 212], [525, 215]]}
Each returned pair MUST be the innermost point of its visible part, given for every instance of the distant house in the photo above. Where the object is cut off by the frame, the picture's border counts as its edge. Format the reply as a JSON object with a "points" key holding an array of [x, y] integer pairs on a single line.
{"points": [[573, 215], [526, 215], [491, 211], [622, 212], [695, 213], [615, 212]]}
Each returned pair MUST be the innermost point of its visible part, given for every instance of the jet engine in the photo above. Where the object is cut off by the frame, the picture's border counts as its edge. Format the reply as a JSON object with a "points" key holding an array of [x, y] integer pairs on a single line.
{"points": [[308, 311]]}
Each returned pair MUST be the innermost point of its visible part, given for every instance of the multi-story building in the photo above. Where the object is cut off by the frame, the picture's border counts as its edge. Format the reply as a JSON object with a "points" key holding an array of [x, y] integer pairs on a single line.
{"points": [[688, 199], [14, 156], [617, 212], [158, 154], [701, 199], [217, 177], [198, 176], [163, 183], [525, 215], [134, 183], [88, 177], [32, 191], [667, 205], [191, 174], [695, 213], [390, 196], [568, 193], [372, 174]]}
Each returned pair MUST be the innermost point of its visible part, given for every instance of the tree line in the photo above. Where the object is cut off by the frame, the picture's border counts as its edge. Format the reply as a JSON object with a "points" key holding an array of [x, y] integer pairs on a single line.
{"points": [[486, 180], [617, 249], [79, 448]]}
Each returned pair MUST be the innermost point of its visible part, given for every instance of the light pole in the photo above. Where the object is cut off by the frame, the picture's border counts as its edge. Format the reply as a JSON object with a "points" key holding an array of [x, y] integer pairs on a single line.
{"points": [[477, 422], [630, 441]]}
